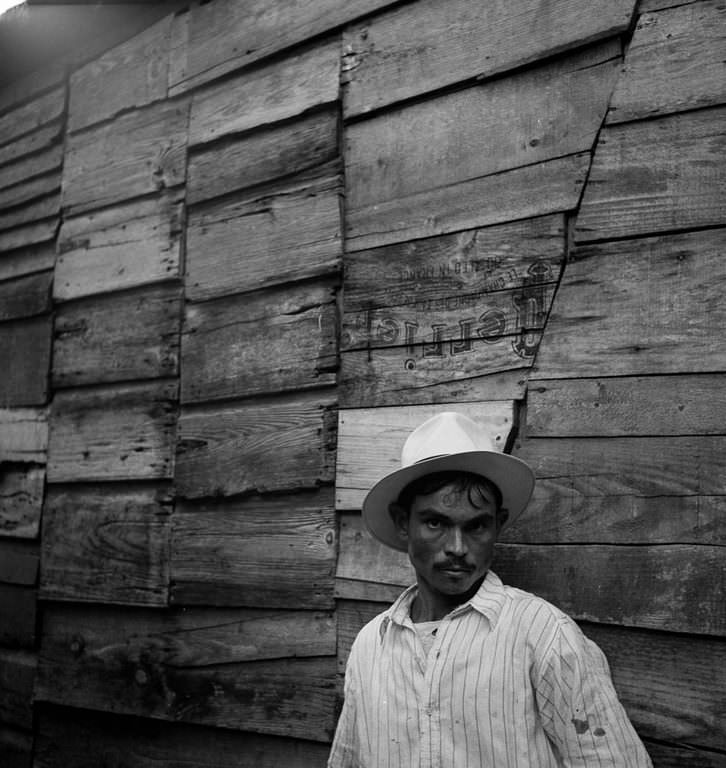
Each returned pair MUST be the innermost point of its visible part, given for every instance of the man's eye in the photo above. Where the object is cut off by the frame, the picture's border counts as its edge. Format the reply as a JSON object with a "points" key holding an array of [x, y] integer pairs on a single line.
{"points": [[434, 524]]}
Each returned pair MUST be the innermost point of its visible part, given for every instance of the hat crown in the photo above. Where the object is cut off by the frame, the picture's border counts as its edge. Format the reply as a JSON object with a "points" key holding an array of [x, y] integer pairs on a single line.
{"points": [[442, 435]]}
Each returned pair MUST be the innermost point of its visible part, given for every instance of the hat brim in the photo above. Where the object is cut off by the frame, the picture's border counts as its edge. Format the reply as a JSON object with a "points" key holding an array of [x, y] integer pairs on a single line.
{"points": [[511, 475]]}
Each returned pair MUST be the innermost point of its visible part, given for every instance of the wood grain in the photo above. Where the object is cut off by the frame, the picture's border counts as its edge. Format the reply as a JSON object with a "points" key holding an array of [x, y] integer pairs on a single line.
{"points": [[35, 258], [23, 435], [30, 143], [43, 208], [106, 544], [25, 296], [122, 432], [684, 756], [30, 234], [17, 675], [271, 341], [25, 168], [19, 562], [268, 552], [33, 188], [21, 500], [27, 117], [25, 346]]}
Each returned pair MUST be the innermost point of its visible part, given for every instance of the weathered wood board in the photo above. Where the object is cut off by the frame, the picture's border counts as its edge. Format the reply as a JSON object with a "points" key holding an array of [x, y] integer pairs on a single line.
{"points": [[263, 155], [27, 117], [428, 45], [553, 110], [26, 168], [666, 51], [42, 208], [30, 234], [19, 562], [656, 176], [685, 756], [121, 247], [139, 153], [206, 667], [275, 551], [122, 432], [106, 544], [370, 441], [31, 143], [21, 499], [23, 435], [287, 233], [132, 335], [28, 86], [25, 349], [219, 37], [25, 296], [274, 92], [265, 445], [36, 258], [16, 747], [17, 675], [522, 193], [34, 187], [651, 305], [17, 616]]}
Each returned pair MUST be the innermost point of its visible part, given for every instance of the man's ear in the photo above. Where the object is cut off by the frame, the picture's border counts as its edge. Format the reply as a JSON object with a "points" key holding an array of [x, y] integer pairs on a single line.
{"points": [[400, 520]]}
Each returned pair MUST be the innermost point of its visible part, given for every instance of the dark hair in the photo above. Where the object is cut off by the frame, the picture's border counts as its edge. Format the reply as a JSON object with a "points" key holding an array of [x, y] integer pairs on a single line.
{"points": [[473, 485]]}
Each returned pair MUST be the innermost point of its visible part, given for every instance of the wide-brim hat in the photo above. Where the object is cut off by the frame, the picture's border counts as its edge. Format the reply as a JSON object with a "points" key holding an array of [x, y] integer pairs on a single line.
{"points": [[449, 441]]}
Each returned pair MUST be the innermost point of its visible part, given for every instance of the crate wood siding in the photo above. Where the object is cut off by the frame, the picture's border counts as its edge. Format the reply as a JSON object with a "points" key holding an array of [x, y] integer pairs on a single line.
{"points": [[17, 674], [35, 258], [17, 616], [36, 113], [28, 167], [291, 232], [159, 665], [121, 247], [652, 305], [25, 296], [261, 342], [274, 551], [21, 499], [370, 442], [118, 338], [31, 143], [106, 544], [122, 432], [667, 48], [44, 208], [267, 445], [38, 232], [424, 46], [25, 350], [656, 176], [24, 191], [23, 435], [19, 562]]}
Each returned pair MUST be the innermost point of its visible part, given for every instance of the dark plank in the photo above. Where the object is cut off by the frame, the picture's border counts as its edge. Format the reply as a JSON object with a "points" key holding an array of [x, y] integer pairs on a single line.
{"points": [[424, 46], [133, 335], [30, 143], [287, 233], [683, 756], [277, 444], [17, 675], [266, 672], [30, 234], [106, 544], [29, 190], [19, 562], [267, 552], [656, 176], [23, 435], [21, 500], [28, 167], [638, 307], [352, 616], [16, 747], [124, 432], [17, 616], [43, 208], [25, 296], [25, 261], [25, 349], [666, 51], [27, 117], [267, 342], [28, 86]]}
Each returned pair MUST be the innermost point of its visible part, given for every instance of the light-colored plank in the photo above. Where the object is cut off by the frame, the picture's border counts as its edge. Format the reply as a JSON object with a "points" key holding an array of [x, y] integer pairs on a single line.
{"points": [[427, 45], [535, 190], [36, 258], [106, 545], [266, 342], [113, 433], [34, 165], [667, 50], [539, 114], [30, 234], [138, 153], [25, 296], [288, 233], [650, 305], [17, 675], [21, 500], [23, 435], [30, 143], [25, 351], [133, 335], [370, 441], [656, 176], [121, 247], [271, 93], [275, 445], [263, 155], [28, 117], [267, 552], [42, 208]]}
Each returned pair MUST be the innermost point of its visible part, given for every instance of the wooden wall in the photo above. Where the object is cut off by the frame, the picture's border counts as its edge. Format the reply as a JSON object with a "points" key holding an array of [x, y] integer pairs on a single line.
{"points": [[244, 252]]}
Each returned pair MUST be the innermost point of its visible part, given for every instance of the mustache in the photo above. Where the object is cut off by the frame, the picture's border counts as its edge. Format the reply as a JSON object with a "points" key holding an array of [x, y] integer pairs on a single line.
{"points": [[453, 564]]}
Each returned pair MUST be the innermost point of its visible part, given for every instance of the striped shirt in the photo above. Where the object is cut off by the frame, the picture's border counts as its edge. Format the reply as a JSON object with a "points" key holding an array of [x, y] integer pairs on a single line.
{"points": [[509, 682]]}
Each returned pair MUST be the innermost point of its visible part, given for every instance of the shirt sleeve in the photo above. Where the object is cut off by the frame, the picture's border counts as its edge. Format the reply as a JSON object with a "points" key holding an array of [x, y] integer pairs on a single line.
{"points": [[580, 710], [344, 752]]}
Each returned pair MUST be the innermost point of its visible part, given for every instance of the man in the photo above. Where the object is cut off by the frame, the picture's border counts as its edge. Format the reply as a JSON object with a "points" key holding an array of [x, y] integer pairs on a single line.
{"points": [[462, 670]]}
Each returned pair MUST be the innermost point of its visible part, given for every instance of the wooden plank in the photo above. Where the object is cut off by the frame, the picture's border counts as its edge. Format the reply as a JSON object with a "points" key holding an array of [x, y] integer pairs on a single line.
{"points": [[274, 92], [275, 551], [16, 747], [139, 153], [656, 176], [535, 190], [352, 616], [36, 164], [684, 755], [636, 307], [665, 52], [223, 36], [17, 675], [291, 232], [106, 544], [30, 234], [30, 189], [553, 110], [271, 341], [21, 500], [414, 49], [25, 348], [36, 258], [25, 296], [267, 445], [124, 432], [27, 117], [19, 562], [30, 143], [17, 616], [210, 667], [132, 74], [133, 335], [122, 247], [42, 208], [641, 405], [29, 86], [370, 441], [263, 155], [23, 435]]}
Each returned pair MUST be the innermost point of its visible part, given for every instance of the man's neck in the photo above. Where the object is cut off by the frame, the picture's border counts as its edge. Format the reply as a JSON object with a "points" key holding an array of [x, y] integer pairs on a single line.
{"points": [[431, 606]]}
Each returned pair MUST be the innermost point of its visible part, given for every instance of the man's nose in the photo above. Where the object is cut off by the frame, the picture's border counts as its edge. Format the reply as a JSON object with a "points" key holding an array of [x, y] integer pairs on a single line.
{"points": [[455, 543]]}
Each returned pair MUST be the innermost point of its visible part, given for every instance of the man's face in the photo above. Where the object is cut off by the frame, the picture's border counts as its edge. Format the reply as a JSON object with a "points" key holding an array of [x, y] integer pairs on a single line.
{"points": [[450, 540]]}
